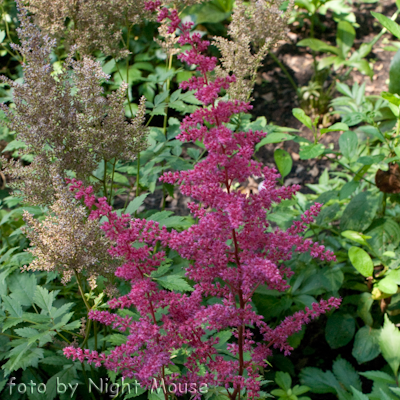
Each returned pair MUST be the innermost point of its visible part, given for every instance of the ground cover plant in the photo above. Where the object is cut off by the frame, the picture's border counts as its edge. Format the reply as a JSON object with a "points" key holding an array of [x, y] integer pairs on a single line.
{"points": [[151, 249]]}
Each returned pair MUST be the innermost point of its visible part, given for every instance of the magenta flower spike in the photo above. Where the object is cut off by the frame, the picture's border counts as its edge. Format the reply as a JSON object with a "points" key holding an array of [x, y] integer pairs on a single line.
{"points": [[230, 249]]}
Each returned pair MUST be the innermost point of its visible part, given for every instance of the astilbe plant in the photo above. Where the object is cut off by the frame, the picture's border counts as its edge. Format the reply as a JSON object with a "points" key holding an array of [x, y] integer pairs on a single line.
{"points": [[231, 250], [64, 118]]}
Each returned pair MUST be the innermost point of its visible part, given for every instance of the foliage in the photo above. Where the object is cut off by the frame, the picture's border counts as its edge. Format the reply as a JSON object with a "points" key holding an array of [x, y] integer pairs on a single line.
{"points": [[353, 352]]}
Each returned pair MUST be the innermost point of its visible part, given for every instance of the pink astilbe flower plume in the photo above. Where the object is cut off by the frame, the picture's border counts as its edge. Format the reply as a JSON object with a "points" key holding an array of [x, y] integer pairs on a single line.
{"points": [[231, 252]]}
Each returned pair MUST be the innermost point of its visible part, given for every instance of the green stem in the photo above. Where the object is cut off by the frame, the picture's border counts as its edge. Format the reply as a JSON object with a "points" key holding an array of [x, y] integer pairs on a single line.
{"points": [[86, 380], [89, 325], [285, 71], [95, 334], [78, 279], [61, 335], [349, 169]]}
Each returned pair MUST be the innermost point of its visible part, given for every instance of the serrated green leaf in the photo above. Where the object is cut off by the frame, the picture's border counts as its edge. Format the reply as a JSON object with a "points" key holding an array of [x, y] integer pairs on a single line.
{"points": [[44, 299], [283, 380], [23, 286], [346, 374], [174, 282], [12, 306], [116, 339]]}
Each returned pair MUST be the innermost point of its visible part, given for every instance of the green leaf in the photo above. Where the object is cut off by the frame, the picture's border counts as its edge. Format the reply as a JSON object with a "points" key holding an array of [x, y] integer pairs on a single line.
{"points": [[274, 137], [365, 302], [318, 45], [353, 118], [389, 341], [395, 100], [363, 66], [311, 151], [345, 37], [283, 161], [283, 380], [319, 381], [55, 360], [339, 126], [134, 205], [384, 232], [116, 339], [379, 376], [174, 282], [387, 285], [360, 212], [348, 143], [12, 306], [23, 287], [346, 374], [14, 145], [44, 299], [366, 344], [361, 261], [66, 376], [387, 23], [302, 117], [348, 189], [394, 74], [357, 395], [339, 329], [208, 12]]}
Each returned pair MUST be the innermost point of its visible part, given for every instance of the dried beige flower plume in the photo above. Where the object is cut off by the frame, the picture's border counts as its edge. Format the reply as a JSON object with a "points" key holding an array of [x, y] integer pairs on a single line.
{"points": [[64, 117], [255, 28], [66, 241]]}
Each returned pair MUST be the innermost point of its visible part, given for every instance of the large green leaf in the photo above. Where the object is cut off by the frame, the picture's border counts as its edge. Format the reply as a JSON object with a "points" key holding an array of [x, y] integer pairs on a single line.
{"points": [[348, 143], [366, 344], [283, 161], [339, 329], [389, 342], [384, 232], [345, 37], [361, 261], [360, 212]]}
